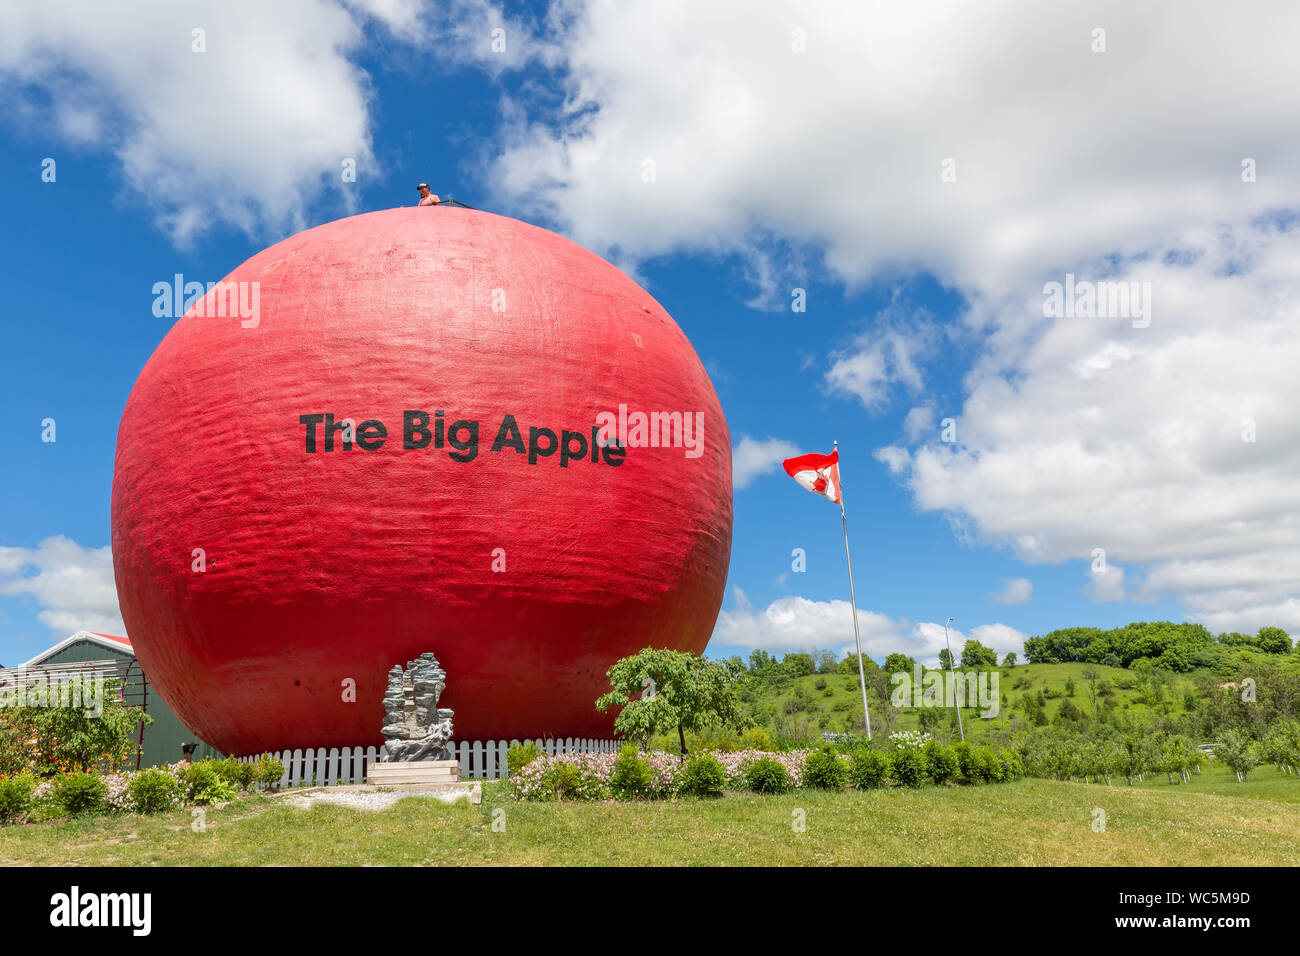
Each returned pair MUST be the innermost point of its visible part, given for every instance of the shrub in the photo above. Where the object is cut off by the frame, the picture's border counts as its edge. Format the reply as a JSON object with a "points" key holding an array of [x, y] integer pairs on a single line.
{"points": [[703, 776], [965, 759], [824, 770], [765, 775], [755, 738], [204, 784], [520, 756], [564, 779], [940, 762], [909, 767], [15, 795], [236, 773], [80, 792], [1012, 766], [153, 790], [869, 768], [986, 765], [631, 777], [268, 771]]}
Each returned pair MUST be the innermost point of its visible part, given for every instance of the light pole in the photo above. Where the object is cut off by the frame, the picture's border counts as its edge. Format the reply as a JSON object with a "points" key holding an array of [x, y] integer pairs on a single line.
{"points": [[951, 674]]}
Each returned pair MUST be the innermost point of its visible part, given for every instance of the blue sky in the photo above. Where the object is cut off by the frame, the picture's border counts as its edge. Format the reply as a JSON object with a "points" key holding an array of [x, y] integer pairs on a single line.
{"points": [[920, 303]]}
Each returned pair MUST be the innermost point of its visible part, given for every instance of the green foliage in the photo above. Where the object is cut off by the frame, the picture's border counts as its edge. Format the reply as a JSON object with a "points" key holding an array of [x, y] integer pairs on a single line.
{"points": [[909, 767], [154, 790], [703, 776], [977, 656], [80, 792], [520, 756], [659, 690], [1273, 640], [268, 771], [1009, 660], [765, 775], [985, 765], [204, 782], [236, 773], [632, 775], [896, 663], [825, 770], [869, 768], [15, 795], [80, 724], [940, 762], [1239, 752]]}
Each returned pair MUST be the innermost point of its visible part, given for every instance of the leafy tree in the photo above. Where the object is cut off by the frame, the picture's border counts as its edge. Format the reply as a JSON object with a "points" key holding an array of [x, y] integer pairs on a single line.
{"points": [[797, 665], [659, 689], [1273, 640], [1239, 752], [945, 659], [825, 662], [81, 725], [975, 655], [898, 662], [1069, 687], [1009, 660]]}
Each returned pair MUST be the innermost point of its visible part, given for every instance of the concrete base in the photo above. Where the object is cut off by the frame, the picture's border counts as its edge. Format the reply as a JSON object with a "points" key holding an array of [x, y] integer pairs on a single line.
{"points": [[423, 772]]}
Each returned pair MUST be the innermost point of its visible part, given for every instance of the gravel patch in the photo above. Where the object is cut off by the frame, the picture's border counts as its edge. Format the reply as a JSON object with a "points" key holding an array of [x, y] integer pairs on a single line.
{"points": [[370, 798]]}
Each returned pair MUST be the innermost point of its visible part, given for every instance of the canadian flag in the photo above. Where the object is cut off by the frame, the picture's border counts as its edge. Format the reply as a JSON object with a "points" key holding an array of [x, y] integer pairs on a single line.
{"points": [[820, 474]]}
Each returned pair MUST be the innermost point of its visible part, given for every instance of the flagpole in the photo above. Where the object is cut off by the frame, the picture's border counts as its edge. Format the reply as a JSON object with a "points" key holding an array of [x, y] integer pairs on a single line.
{"points": [[853, 601]]}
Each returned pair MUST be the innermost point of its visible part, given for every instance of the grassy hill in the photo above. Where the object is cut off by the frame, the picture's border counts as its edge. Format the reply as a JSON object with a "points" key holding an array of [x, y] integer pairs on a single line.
{"points": [[799, 707]]}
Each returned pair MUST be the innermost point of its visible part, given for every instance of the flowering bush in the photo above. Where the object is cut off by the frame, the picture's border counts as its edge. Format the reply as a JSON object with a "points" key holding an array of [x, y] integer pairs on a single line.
{"points": [[153, 790], [909, 740], [592, 776], [564, 777]]}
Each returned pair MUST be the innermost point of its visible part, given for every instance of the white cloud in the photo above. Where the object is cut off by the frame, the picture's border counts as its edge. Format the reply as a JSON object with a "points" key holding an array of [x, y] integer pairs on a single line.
{"points": [[254, 131], [917, 422], [753, 457], [796, 623], [1075, 433], [1014, 591], [1106, 586], [1061, 153], [73, 585]]}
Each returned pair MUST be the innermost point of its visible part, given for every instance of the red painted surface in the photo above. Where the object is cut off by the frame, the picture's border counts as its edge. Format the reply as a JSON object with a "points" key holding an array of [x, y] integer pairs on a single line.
{"points": [[334, 566]]}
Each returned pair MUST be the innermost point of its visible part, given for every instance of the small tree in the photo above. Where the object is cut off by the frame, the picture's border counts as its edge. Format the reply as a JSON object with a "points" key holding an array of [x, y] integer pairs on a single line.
{"points": [[660, 689], [1239, 752], [1273, 640], [975, 655], [1009, 660]]}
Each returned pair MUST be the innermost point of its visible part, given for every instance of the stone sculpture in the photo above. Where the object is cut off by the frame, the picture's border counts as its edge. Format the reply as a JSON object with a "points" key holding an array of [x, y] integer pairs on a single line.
{"points": [[415, 727]]}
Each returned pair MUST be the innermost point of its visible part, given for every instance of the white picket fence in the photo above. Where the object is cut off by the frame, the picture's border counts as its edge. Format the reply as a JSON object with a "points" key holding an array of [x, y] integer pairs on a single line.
{"points": [[478, 760]]}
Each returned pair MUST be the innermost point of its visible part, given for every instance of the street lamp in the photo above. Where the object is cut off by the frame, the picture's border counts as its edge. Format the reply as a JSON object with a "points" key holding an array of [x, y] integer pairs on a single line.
{"points": [[955, 706]]}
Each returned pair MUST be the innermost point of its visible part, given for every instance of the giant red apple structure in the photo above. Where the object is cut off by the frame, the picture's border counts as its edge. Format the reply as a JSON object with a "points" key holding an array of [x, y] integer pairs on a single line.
{"points": [[272, 563]]}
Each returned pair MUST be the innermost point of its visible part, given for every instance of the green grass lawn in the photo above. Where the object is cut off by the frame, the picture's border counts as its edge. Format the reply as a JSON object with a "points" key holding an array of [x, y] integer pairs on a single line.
{"points": [[1212, 821]]}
